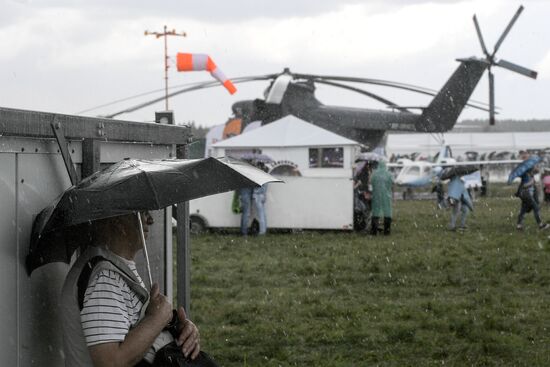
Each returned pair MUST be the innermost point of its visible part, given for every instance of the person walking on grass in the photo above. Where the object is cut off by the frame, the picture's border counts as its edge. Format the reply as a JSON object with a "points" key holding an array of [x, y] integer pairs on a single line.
{"points": [[382, 182], [528, 194], [459, 201]]}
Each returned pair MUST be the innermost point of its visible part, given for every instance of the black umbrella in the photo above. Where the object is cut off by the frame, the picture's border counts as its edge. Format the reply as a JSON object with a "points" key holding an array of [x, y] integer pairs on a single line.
{"points": [[256, 157], [126, 187], [461, 170]]}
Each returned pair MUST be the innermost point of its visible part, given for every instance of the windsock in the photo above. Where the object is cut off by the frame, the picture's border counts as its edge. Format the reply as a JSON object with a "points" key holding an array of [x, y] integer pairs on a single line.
{"points": [[196, 62]]}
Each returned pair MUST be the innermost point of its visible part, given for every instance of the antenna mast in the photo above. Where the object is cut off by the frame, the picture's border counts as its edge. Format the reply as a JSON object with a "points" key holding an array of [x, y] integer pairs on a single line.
{"points": [[165, 34]]}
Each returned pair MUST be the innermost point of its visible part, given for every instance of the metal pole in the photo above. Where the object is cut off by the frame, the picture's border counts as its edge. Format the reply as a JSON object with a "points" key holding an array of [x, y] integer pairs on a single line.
{"points": [[64, 150], [165, 69], [184, 246], [145, 253], [165, 34]]}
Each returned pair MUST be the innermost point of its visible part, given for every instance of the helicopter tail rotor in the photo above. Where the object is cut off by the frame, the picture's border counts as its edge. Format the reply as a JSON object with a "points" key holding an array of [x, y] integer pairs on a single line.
{"points": [[490, 59]]}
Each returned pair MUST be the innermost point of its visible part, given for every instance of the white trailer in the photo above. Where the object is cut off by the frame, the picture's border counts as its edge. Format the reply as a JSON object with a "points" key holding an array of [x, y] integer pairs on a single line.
{"points": [[299, 203], [314, 163]]}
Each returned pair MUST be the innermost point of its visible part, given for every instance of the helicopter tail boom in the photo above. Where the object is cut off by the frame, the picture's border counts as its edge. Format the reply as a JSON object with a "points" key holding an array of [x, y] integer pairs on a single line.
{"points": [[442, 113]]}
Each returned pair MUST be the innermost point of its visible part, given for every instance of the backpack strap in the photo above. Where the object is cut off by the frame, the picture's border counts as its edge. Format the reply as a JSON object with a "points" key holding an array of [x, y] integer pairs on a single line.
{"points": [[84, 279], [99, 263]]}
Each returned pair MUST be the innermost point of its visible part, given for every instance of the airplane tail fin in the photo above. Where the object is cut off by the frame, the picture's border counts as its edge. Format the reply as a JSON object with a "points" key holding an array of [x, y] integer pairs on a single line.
{"points": [[443, 111], [444, 153]]}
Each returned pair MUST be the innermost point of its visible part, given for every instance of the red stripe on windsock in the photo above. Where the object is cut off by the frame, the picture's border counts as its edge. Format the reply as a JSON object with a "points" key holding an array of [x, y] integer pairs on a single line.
{"points": [[229, 86], [210, 66], [184, 62]]}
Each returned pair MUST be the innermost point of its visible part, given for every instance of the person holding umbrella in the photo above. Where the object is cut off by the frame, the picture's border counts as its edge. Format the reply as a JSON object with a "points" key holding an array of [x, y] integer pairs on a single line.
{"points": [[382, 182], [109, 317], [527, 190], [124, 324]]}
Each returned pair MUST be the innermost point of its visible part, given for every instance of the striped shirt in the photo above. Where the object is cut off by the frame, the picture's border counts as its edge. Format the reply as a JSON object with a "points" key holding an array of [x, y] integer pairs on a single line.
{"points": [[110, 308]]}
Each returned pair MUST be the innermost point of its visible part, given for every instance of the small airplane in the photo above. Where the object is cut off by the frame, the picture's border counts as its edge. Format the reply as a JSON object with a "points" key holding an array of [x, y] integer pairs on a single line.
{"points": [[417, 174]]}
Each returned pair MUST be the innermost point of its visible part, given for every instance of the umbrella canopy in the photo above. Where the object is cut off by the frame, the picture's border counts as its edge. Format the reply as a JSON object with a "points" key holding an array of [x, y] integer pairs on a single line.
{"points": [[129, 186], [369, 156], [450, 172], [256, 157], [523, 167]]}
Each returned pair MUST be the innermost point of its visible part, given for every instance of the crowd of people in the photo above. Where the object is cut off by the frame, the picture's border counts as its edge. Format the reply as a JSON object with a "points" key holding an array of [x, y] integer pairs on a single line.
{"points": [[373, 184]]}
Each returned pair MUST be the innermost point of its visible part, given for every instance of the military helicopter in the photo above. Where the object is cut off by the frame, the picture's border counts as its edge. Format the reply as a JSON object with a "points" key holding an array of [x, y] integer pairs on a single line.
{"points": [[294, 93]]}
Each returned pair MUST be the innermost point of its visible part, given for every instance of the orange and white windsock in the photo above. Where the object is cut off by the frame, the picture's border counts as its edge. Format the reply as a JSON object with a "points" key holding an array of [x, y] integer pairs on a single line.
{"points": [[197, 62]]}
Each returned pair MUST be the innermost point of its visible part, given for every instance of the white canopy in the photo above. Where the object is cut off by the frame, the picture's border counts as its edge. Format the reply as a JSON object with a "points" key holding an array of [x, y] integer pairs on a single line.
{"points": [[290, 131]]}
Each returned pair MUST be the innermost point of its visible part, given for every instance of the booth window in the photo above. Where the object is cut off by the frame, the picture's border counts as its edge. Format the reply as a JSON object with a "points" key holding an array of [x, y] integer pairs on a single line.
{"points": [[326, 157]]}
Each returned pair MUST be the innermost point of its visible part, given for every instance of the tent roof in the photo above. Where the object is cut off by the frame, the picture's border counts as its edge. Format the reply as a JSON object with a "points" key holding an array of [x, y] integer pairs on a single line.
{"points": [[290, 131]]}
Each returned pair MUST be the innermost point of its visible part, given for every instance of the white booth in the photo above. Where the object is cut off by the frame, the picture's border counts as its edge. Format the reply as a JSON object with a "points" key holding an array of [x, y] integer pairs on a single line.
{"points": [[314, 163]]}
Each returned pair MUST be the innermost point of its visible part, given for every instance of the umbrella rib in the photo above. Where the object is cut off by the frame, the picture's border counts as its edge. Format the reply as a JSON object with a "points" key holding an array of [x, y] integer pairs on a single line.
{"points": [[152, 189]]}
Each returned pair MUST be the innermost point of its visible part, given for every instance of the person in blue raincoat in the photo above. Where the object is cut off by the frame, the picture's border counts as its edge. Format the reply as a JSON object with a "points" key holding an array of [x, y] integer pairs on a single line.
{"points": [[459, 201], [381, 201], [528, 194]]}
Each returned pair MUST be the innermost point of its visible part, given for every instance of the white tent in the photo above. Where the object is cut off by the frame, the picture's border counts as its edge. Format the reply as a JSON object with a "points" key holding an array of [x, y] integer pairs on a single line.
{"points": [[213, 136], [290, 131], [313, 151]]}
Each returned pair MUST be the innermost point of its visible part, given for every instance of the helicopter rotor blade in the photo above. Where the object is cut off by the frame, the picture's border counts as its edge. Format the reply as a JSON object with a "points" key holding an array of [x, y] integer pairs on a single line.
{"points": [[198, 86], [386, 83], [505, 33], [366, 93], [413, 88], [480, 37], [517, 68]]}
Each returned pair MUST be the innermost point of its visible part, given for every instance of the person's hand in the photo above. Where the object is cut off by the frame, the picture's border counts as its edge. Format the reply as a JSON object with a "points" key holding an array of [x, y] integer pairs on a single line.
{"points": [[189, 338], [159, 307]]}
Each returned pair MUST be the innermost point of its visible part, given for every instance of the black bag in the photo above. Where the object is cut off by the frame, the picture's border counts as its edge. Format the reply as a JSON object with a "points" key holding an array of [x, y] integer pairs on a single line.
{"points": [[171, 356]]}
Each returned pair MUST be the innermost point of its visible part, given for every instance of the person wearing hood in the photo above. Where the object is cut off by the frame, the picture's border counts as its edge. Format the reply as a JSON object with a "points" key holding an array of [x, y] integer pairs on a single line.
{"points": [[382, 182], [527, 192], [460, 201]]}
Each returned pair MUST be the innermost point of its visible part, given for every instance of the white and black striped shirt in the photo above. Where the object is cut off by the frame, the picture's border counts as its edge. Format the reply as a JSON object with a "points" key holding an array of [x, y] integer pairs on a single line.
{"points": [[110, 308]]}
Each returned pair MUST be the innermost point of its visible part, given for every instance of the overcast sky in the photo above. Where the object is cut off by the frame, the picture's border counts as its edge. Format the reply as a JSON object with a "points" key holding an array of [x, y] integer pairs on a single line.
{"points": [[67, 56]]}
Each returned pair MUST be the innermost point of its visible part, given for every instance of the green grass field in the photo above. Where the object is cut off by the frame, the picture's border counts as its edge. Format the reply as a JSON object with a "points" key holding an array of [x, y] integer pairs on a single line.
{"points": [[423, 296]]}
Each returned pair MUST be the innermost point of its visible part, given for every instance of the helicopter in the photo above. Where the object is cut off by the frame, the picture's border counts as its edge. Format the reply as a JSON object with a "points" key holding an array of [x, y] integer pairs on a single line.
{"points": [[294, 93]]}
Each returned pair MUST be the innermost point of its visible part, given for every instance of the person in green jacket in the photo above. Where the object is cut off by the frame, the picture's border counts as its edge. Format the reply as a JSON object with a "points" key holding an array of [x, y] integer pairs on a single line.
{"points": [[382, 182]]}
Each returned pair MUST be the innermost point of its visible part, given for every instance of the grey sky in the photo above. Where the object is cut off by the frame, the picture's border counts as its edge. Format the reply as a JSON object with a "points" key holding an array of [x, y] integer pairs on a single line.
{"points": [[66, 56]]}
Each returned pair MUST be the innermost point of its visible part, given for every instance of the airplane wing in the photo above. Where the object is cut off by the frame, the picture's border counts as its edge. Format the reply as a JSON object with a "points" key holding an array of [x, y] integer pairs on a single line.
{"points": [[477, 163]]}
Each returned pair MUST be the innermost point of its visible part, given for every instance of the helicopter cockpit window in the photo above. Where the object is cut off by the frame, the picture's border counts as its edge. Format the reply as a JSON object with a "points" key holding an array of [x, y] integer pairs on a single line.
{"points": [[326, 157]]}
